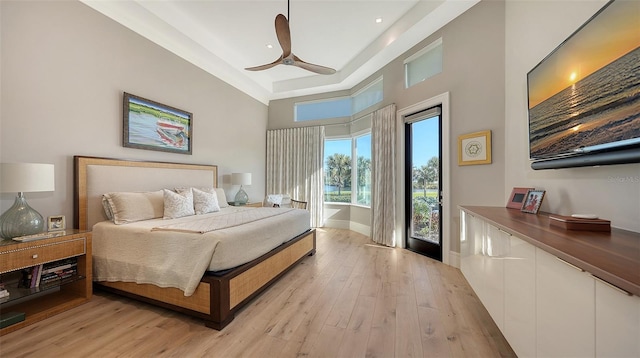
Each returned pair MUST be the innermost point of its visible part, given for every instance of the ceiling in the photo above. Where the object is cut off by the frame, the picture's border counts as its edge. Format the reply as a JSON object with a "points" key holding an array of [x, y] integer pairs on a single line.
{"points": [[225, 36]]}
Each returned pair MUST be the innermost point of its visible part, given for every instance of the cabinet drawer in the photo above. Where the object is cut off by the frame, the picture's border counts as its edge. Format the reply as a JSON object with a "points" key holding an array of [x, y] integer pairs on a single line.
{"points": [[16, 259]]}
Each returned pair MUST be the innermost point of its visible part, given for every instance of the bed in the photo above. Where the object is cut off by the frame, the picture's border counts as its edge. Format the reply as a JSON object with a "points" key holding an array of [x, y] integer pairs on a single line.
{"points": [[230, 278]]}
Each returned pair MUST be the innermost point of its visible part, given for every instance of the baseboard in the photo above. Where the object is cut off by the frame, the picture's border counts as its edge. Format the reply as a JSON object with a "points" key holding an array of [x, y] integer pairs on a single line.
{"points": [[348, 225], [337, 224], [360, 228], [454, 259]]}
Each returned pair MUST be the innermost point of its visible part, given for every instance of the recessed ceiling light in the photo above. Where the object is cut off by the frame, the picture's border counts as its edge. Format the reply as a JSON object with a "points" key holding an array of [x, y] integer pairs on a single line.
{"points": [[269, 46], [378, 20]]}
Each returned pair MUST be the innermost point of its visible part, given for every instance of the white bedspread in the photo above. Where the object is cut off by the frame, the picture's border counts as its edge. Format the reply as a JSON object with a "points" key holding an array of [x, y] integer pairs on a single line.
{"points": [[202, 224], [168, 258]]}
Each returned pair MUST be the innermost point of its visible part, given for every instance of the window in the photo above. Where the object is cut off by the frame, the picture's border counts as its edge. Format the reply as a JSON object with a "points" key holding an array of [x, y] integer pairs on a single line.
{"points": [[424, 64], [347, 166], [337, 169], [368, 96], [340, 106], [324, 109]]}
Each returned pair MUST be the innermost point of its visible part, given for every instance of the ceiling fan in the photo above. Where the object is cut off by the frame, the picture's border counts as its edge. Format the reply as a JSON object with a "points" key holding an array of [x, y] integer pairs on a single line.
{"points": [[287, 57]]}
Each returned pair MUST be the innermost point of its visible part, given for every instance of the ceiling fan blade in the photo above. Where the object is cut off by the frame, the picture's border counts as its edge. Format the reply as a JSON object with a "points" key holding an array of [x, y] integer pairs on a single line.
{"points": [[312, 67], [264, 67], [287, 58], [284, 35]]}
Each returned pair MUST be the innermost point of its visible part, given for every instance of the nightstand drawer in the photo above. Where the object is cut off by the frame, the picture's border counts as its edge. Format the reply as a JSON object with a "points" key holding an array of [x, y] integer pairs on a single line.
{"points": [[19, 258]]}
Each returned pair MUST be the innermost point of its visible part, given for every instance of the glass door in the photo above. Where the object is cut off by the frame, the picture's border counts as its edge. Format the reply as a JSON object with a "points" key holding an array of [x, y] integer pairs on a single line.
{"points": [[423, 201]]}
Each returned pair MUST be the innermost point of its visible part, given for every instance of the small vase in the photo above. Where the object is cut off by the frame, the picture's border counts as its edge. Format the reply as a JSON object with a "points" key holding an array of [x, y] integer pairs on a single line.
{"points": [[241, 197], [20, 220]]}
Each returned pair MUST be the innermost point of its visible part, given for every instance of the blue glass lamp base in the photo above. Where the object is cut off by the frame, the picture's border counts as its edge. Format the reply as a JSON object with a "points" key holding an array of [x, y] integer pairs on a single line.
{"points": [[20, 220], [241, 197]]}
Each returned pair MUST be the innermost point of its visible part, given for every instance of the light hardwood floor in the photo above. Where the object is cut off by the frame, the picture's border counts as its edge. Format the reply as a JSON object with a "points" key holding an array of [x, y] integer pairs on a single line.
{"points": [[352, 299]]}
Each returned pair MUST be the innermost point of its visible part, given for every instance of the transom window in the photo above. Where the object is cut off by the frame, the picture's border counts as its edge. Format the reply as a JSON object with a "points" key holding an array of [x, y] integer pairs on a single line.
{"points": [[367, 96], [340, 106], [424, 64], [322, 109]]}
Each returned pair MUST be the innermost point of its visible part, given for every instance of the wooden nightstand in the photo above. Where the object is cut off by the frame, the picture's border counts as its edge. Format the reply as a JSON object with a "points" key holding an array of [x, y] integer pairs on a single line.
{"points": [[253, 205], [39, 302]]}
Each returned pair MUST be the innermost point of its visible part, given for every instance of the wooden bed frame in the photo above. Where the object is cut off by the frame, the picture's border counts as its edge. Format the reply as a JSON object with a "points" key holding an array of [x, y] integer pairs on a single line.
{"points": [[217, 298]]}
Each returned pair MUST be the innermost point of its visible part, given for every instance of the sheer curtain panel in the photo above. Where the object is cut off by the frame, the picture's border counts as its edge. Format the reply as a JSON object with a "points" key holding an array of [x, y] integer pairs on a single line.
{"points": [[295, 159], [383, 176]]}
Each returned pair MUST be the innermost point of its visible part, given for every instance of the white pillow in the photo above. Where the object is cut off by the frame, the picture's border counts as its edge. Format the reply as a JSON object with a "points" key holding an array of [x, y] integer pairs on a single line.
{"points": [[205, 201], [107, 208], [222, 198], [129, 207], [177, 205]]}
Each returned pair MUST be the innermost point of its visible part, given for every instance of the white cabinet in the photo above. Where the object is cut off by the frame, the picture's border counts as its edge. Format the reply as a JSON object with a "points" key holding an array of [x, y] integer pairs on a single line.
{"points": [[544, 306], [617, 322], [565, 315], [496, 248], [520, 297], [471, 260], [483, 248]]}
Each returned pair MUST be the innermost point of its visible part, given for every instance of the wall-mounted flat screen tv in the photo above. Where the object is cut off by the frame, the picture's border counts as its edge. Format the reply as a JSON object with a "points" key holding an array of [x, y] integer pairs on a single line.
{"points": [[584, 97]]}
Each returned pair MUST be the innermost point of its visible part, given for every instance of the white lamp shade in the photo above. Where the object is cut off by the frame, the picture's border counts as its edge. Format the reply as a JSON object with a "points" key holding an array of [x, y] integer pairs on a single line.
{"points": [[241, 178], [26, 177]]}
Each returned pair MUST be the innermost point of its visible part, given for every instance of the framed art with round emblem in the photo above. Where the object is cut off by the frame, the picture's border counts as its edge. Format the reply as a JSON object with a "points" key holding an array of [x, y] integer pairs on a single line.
{"points": [[474, 148]]}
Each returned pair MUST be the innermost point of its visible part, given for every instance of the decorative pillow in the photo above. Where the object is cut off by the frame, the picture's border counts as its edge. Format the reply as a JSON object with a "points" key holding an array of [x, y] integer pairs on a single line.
{"points": [[129, 207], [222, 198], [107, 208], [177, 205], [205, 201]]}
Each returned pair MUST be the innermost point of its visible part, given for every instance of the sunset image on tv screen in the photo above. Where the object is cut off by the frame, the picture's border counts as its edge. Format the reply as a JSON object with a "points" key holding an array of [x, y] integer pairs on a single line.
{"points": [[587, 92]]}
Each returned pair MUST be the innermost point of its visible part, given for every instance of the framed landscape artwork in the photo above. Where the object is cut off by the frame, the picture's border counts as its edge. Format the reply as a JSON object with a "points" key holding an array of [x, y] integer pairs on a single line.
{"points": [[474, 148], [155, 126]]}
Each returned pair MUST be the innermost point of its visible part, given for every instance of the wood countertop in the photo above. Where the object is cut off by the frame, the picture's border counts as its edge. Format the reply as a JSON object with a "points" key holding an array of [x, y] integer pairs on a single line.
{"points": [[611, 256]]}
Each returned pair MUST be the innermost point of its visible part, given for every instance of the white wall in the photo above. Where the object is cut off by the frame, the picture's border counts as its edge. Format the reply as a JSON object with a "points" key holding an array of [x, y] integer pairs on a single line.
{"points": [[533, 29], [63, 70]]}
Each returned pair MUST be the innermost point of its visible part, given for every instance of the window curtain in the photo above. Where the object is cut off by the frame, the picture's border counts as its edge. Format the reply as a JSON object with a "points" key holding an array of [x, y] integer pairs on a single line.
{"points": [[383, 176], [295, 158]]}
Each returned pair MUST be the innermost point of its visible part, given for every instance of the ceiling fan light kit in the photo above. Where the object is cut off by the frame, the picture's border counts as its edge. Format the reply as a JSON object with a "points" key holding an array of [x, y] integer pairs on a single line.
{"points": [[288, 58]]}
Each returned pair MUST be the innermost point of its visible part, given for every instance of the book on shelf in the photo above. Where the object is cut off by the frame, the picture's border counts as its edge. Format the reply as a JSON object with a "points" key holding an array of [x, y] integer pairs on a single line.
{"points": [[50, 274], [35, 275], [59, 267], [39, 275], [3, 291], [57, 281], [58, 275]]}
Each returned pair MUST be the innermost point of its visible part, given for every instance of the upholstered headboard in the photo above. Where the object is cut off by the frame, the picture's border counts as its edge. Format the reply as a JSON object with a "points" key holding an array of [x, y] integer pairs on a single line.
{"points": [[95, 176]]}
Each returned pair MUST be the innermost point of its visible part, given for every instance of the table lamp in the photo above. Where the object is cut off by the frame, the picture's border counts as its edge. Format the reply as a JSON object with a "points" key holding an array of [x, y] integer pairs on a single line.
{"points": [[241, 179], [21, 219]]}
